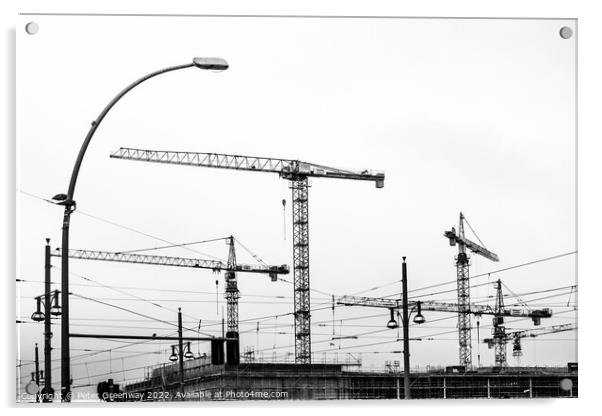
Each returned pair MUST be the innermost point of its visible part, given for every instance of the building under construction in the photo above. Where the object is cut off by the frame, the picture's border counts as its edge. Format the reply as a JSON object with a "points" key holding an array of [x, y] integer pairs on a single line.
{"points": [[284, 381]]}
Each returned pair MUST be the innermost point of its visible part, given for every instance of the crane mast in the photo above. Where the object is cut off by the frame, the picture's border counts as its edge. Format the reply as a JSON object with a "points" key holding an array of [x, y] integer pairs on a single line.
{"points": [[499, 330], [300, 188], [232, 295], [297, 172], [463, 287]]}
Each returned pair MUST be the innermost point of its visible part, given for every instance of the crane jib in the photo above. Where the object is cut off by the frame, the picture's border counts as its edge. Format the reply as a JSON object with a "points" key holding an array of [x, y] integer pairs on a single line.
{"points": [[287, 168], [215, 265]]}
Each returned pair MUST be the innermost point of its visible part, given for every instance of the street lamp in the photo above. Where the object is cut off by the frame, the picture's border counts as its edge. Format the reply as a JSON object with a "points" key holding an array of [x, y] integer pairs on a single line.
{"points": [[55, 310], [392, 324], [188, 354], [173, 357], [175, 353], [38, 315], [419, 318], [214, 64]]}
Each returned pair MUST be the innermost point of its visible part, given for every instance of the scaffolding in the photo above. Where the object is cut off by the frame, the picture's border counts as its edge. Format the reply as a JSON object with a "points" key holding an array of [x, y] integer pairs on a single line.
{"points": [[289, 381]]}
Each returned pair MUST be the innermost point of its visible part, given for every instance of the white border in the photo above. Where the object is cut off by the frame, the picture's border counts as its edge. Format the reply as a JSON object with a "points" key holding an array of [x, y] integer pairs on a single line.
{"points": [[590, 209]]}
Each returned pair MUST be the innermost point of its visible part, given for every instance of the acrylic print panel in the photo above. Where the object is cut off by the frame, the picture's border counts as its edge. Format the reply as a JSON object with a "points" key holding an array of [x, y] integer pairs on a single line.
{"points": [[471, 116]]}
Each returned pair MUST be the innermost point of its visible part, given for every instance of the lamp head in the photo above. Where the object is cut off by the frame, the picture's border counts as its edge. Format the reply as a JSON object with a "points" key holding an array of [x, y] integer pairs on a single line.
{"points": [[188, 354], [55, 309], [173, 356], [392, 324], [63, 199], [419, 318], [214, 64], [37, 316], [59, 197]]}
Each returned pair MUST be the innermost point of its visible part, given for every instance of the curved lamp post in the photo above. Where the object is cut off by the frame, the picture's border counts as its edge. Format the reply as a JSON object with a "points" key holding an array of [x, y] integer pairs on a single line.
{"points": [[216, 64]]}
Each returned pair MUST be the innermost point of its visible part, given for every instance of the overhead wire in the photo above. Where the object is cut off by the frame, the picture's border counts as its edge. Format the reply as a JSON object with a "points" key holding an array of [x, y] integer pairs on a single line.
{"points": [[529, 263], [131, 311], [125, 227], [192, 292], [172, 246], [313, 309]]}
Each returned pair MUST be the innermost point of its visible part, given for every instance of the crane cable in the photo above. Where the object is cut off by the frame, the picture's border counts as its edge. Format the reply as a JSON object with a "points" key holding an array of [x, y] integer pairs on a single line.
{"points": [[255, 256], [518, 298], [172, 245], [473, 231]]}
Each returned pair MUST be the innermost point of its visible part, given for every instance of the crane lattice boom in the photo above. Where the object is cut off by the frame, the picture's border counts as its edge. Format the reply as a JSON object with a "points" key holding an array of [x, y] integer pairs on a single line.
{"points": [[215, 265], [473, 309], [472, 246], [532, 333], [287, 168], [516, 336]]}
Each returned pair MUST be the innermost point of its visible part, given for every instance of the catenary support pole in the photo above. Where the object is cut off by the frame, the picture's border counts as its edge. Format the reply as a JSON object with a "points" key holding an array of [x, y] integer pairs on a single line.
{"points": [[48, 392], [37, 378], [181, 351], [406, 331]]}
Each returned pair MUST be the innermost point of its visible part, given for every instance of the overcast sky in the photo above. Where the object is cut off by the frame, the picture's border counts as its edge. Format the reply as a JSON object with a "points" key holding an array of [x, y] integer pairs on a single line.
{"points": [[471, 115]]}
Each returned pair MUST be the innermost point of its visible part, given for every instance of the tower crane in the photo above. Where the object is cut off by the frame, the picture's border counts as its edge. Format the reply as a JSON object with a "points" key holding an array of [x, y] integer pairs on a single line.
{"points": [[516, 337], [473, 309], [498, 312], [231, 268], [462, 266], [499, 329], [297, 173], [232, 294]]}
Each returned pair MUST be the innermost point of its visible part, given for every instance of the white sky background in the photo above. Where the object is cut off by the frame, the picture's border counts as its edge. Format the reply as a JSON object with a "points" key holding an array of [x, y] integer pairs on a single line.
{"points": [[472, 115]]}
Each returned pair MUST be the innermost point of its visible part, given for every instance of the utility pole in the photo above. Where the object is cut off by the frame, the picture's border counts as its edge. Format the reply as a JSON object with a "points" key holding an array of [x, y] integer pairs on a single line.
{"points": [[181, 351], [37, 361], [406, 332], [47, 392]]}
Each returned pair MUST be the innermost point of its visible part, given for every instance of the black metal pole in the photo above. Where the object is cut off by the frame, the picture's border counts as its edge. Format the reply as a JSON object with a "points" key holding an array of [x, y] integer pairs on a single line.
{"points": [[65, 359], [181, 351], [146, 337], [69, 204], [406, 332], [47, 397], [37, 361]]}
